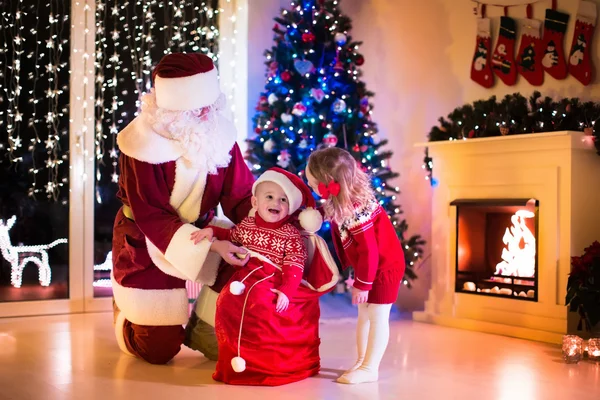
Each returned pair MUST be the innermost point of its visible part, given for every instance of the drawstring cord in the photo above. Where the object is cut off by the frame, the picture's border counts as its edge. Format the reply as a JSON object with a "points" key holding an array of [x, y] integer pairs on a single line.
{"points": [[250, 273], [244, 307], [237, 288]]}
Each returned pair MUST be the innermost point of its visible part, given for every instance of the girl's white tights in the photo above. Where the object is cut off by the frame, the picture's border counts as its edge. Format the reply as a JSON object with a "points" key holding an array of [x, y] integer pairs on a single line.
{"points": [[372, 336]]}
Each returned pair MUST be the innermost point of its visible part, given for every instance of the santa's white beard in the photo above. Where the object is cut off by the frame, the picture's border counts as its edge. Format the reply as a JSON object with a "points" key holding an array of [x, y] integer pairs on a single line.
{"points": [[205, 135]]}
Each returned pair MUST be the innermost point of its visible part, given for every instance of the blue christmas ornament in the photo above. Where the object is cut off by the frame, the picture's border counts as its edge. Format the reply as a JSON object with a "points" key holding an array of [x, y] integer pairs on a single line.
{"points": [[338, 106], [340, 38], [308, 4]]}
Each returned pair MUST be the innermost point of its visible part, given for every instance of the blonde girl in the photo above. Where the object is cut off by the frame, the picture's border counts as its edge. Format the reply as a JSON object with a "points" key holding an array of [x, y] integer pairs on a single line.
{"points": [[365, 239]]}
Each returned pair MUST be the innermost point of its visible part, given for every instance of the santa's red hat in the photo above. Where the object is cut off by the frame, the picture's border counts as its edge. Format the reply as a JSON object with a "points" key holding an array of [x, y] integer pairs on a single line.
{"points": [[298, 194], [185, 82]]}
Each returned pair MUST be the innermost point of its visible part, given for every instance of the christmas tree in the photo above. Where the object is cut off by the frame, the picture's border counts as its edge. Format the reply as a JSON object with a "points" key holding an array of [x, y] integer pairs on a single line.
{"points": [[314, 97]]}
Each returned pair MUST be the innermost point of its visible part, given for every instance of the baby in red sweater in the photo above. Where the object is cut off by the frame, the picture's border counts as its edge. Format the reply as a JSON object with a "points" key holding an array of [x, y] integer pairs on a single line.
{"points": [[276, 256], [277, 194], [365, 239]]}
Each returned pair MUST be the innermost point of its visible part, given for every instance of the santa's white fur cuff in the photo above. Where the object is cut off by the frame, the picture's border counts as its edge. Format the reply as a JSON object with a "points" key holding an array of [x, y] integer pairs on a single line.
{"points": [[154, 307]]}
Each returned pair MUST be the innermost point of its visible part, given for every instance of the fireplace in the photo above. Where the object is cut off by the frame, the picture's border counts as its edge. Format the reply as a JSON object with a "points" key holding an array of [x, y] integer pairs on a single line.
{"points": [[496, 247], [557, 169]]}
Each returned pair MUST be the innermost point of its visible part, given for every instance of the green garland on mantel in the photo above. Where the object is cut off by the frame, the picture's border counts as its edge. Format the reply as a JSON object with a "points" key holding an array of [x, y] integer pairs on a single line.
{"points": [[514, 115]]}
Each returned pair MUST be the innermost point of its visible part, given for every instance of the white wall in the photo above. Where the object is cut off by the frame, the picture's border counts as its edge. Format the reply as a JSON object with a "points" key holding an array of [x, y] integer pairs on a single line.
{"points": [[417, 61], [260, 38]]}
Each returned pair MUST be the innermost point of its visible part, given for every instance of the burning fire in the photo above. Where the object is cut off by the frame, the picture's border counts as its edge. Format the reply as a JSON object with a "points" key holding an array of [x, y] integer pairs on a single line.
{"points": [[518, 257]]}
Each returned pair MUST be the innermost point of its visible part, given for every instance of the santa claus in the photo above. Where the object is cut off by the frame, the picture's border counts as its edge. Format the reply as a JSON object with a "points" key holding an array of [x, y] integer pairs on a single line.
{"points": [[179, 161]]}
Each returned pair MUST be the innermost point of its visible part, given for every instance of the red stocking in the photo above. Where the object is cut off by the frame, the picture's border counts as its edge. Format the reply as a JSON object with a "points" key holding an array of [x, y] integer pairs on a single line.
{"points": [[503, 60], [580, 63], [530, 53], [481, 71], [555, 27]]}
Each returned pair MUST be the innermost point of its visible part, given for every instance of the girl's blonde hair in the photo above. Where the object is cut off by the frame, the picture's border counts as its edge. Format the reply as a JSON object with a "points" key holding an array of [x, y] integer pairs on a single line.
{"points": [[355, 185]]}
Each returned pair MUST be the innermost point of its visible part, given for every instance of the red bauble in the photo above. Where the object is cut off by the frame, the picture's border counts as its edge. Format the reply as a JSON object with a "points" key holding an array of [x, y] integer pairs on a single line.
{"points": [[330, 140], [360, 60], [356, 148], [286, 76], [257, 130], [308, 37]]}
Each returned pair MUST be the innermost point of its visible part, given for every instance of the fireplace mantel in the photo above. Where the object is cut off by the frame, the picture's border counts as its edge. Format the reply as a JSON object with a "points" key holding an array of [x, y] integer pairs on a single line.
{"points": [[561, 170]]}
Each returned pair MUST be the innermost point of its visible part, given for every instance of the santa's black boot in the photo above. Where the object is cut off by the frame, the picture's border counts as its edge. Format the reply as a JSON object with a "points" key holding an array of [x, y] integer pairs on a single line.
{"points": [[201, 337]]}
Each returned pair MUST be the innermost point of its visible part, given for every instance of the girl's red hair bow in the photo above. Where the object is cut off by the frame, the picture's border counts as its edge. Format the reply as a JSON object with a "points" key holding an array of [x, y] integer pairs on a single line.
{"points": [[326, 191]]}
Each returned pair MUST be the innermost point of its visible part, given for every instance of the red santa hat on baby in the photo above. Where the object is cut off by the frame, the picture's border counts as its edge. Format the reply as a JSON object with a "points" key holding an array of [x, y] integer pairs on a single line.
{"points": [[185, 82], [298, 194]]}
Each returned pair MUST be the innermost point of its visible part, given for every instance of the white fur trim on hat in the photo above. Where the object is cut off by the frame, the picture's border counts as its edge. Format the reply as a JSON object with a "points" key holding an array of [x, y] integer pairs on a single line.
{"points": [[310, 220], [292, 192], [187, 93]]}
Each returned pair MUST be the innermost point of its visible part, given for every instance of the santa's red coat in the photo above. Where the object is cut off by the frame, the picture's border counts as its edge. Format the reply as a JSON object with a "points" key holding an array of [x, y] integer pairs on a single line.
{"points": [[170, 198]]}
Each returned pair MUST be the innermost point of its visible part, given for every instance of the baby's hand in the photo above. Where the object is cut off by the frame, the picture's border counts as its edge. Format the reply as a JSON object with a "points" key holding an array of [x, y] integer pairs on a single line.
{"points": [[282, 301], [199, 235]]}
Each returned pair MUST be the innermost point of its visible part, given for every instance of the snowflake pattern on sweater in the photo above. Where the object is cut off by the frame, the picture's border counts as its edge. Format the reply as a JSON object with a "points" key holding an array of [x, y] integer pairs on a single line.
{"points": [[283, 246], [363, 217]]}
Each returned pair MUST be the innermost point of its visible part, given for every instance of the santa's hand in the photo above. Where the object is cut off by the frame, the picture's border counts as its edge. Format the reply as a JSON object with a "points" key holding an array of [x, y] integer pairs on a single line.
{"points": [[228, 251], [201, 234], [282, 301]]}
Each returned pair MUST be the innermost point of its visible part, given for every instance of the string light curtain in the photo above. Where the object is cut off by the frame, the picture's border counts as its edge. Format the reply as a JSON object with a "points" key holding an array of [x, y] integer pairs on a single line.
{"points": [[34, 98], [131, 37]]}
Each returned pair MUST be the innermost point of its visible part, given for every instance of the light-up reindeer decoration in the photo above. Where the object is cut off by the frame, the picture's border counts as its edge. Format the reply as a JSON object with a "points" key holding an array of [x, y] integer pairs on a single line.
{"points": [[19, 256]]}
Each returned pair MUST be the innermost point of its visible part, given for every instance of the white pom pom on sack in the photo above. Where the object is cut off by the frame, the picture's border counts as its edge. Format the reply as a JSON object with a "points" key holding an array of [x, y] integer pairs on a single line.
{"points": [[310, 220], [236, 288], [238, 364]]}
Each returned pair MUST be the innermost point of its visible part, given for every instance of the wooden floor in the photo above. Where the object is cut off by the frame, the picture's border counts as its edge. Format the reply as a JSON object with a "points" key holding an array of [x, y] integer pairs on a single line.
{"points": [[76, 357]]}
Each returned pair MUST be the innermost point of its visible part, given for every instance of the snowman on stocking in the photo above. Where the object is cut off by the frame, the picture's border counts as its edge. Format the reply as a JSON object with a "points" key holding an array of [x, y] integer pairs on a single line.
{"points": [[580, 63], [481, 70], [555, 27]]}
